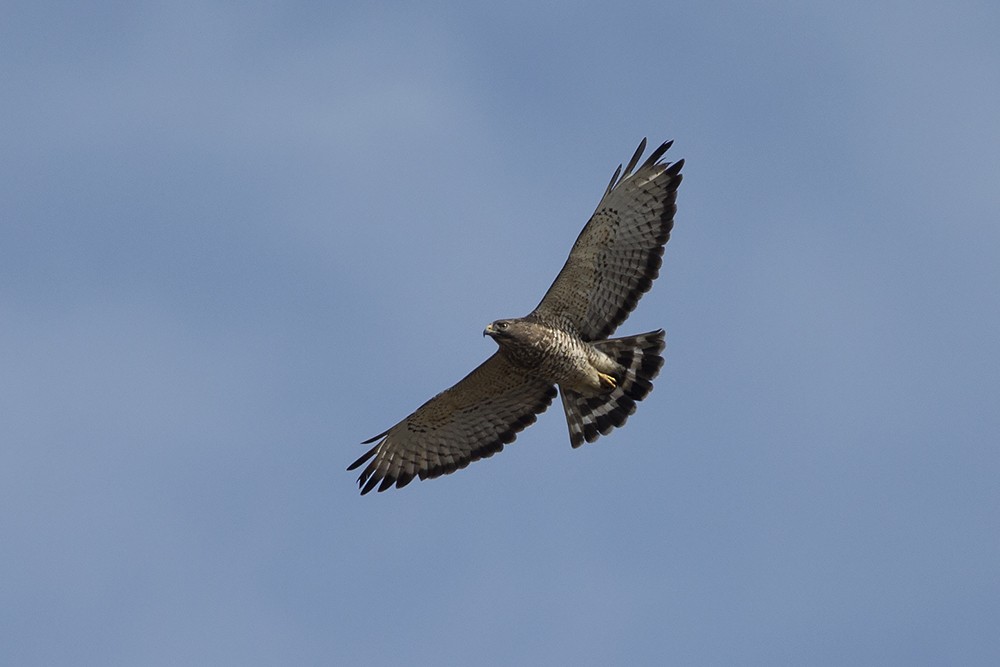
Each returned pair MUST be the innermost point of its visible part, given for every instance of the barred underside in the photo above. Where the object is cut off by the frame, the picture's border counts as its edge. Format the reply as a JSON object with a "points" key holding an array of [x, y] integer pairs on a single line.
{"points": [[590, 418]]}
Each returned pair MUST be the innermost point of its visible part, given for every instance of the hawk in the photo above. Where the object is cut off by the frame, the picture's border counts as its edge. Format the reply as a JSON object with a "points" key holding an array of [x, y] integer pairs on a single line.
{"points": [[563, 342]]}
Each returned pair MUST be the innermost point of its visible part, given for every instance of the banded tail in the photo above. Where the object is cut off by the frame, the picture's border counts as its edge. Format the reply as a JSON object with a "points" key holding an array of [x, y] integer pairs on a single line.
{"points": [[590, 418]]}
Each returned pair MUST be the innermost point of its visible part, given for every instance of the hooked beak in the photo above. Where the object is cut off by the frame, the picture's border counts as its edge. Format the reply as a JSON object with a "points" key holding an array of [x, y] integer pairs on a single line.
{"points": [[488, 331]]}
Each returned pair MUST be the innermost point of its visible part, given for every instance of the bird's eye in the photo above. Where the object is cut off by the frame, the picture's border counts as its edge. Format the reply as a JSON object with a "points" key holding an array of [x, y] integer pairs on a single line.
{"points": [[502, 325]]}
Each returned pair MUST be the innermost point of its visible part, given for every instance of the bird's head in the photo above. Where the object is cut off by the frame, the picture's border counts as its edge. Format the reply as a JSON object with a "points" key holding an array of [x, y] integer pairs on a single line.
{"points": [[514, 331], [500, 330], [518, 339]]}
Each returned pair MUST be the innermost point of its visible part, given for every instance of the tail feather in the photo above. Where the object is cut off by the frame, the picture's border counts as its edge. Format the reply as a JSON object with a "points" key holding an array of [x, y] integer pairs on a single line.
{"points": [[591, 417]]}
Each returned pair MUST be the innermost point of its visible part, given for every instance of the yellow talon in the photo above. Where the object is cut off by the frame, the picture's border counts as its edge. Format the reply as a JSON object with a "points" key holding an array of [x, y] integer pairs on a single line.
{"points": [[607, 381]]}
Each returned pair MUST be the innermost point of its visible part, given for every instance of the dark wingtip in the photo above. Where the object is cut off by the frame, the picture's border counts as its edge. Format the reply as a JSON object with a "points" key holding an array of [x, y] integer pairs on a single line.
{"points": [[635, 158], [657, 154], [614, 179], [369, 486], [380, 435], [364, 457]]}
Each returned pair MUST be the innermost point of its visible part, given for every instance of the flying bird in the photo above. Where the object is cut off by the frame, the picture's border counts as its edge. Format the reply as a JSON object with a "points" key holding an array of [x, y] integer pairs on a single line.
{"points": [[563, 342]]}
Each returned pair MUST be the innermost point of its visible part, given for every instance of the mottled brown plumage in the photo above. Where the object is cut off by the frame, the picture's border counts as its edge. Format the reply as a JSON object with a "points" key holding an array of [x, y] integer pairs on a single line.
{"points": [[563, 342]]}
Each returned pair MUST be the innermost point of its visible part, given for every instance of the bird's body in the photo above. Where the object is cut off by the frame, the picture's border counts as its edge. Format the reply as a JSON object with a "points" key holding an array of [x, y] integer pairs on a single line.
{"points": [[564, 342], [555, 355]]}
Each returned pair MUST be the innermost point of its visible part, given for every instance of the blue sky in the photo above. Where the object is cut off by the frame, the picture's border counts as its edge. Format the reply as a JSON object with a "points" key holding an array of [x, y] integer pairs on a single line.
{"points": [[237, 240]]}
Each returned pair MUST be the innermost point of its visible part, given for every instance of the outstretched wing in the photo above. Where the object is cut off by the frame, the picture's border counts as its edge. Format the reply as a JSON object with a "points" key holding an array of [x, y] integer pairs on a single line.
{"points": [[619, 252], [472, 420]]}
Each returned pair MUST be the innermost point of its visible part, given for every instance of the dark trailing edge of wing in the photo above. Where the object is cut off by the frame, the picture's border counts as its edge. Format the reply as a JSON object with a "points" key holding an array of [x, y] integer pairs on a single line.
{"points": [[655, 259], [371, 476]]}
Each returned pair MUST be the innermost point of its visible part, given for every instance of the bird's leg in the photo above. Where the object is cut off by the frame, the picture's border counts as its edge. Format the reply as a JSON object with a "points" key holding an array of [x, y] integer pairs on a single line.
{"points": [[607, 381]]}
